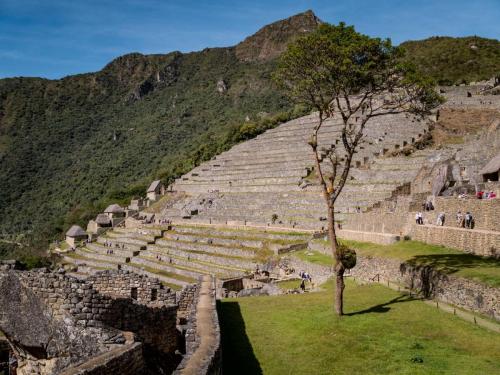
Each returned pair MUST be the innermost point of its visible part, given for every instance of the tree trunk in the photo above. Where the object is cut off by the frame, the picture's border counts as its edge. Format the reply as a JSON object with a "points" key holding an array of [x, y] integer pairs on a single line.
{"points": [[338, 267], [339, 288]]}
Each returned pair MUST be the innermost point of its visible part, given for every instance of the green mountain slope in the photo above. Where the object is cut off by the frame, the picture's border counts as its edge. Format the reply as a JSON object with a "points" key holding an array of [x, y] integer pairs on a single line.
{"points": [[68, 147], [456, 60]]}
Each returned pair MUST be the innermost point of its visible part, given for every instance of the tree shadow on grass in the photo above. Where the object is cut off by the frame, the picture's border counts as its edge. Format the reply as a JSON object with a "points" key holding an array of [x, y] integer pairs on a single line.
{"points": [[238, 356], [383, 307], [451, 263]]}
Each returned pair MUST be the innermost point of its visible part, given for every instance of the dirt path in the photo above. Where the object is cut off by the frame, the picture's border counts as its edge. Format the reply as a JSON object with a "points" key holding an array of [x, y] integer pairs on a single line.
{"points": [[205, 328]]}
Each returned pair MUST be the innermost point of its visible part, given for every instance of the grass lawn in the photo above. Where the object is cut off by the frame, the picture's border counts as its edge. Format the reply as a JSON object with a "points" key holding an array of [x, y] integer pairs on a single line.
{"points": [[313, 257], [289, 284], [384, 333], [446, 260]]}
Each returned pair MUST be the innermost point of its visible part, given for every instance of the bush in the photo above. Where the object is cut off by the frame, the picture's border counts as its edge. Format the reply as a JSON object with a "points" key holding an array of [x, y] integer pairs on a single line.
{"points": [[348, 256]]}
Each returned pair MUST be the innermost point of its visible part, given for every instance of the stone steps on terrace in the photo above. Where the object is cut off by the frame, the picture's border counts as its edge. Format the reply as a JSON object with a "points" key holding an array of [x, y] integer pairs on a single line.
{"points": [[250, 222], [247, 253], [149, 260], [90, 254], [244, 180], [142, 231], [205, 188], [197, 262], [158, 274], [130, 235], [122, 242], [246, 233], [217, 241], [271, 175], [98, 248], [92, 263]]}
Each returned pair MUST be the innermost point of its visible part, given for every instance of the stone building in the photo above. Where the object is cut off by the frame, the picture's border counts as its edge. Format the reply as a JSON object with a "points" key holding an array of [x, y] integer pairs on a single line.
{"points": [[101, 222], [75, 234], [155, 190], [491, 170], [137, 204], [115, 213]]}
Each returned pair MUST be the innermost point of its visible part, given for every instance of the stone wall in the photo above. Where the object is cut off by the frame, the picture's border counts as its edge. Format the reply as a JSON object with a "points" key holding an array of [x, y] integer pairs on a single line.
{"points": [[379, 222], [486, 212], [186, 299], [203, 350], [475, 241], [126, 360], [318, 272], [457, 291], [119, 285], [75, 322], [380, 238]]}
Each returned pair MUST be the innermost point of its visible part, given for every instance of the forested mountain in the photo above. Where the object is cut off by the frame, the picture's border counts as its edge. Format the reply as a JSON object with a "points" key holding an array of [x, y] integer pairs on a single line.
{"points": [[69, 147], [456, 60]]}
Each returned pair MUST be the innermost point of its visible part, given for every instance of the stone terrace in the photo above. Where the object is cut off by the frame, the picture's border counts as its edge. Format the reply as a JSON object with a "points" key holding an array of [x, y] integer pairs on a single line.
{"points": [[179, 255], [269, 176]]}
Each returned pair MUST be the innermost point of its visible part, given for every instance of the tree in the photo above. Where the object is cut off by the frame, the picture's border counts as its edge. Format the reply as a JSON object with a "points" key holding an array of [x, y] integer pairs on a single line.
{"points": [[342, 73]]}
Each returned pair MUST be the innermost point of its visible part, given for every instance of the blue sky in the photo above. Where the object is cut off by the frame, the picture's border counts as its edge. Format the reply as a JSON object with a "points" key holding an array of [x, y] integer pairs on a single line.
{"points": [[55, 38]]}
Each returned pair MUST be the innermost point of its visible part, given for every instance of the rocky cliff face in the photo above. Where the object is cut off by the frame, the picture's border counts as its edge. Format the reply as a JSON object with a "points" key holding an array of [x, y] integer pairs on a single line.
{"points": [[270, 41]]}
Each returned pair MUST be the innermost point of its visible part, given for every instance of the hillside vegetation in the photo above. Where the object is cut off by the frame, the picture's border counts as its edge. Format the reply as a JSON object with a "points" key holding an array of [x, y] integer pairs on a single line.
{"points": [[69, 147], [456, 60]]}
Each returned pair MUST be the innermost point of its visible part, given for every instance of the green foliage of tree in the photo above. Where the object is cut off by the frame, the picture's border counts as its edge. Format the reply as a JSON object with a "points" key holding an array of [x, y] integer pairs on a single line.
{"points": [[342, 73]]}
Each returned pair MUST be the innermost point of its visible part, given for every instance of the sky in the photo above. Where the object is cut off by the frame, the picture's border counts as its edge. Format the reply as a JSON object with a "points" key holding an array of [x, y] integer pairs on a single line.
{"points": [[55, 38]]}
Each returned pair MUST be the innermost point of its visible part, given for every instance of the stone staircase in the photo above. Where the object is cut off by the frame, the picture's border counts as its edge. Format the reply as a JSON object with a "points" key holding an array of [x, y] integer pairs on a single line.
{"points": [[181, 254], [267, 180]]}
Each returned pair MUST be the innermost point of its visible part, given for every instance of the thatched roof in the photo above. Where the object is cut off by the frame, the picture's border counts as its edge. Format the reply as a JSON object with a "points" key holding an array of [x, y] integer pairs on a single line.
{"points": [[76, 231], [102, 219], [492, 166], [114, 209], [154, 185]]}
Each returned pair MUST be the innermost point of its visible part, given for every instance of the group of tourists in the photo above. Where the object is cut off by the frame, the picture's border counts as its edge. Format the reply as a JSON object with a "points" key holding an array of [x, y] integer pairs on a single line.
{"points": [[110, 244], [465, 220], [480, 195], [164, 221], [419, 218], [160, 258], [486, 195]]}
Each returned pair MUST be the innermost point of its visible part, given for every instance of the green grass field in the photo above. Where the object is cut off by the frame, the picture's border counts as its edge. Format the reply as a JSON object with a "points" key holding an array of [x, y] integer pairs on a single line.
{"points": [[446, 260], [384, 332]]}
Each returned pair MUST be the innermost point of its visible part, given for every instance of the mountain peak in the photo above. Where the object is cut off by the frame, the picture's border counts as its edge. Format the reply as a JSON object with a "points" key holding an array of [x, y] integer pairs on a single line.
{"points": [[271, 40]]}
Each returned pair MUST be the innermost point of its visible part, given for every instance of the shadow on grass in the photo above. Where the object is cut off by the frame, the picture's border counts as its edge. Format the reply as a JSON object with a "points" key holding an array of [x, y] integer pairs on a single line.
{"points": [[237, 353], [451, 263], [383, 307]]}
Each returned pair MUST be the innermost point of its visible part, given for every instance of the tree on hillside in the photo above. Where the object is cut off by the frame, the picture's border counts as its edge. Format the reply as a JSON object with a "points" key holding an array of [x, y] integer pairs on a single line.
{"points": [[344, 74]]}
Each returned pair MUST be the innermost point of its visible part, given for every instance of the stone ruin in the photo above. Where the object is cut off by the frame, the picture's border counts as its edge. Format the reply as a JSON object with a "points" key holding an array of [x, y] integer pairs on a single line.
{"points": [[113, 322]]}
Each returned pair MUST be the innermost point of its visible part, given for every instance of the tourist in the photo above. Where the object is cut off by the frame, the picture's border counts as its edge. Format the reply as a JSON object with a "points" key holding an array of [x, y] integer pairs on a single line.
{"points": [[460, 219], [303, 285], [440, 219], [469, 220], [419, 218], [479, 194], [492, 195]]}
